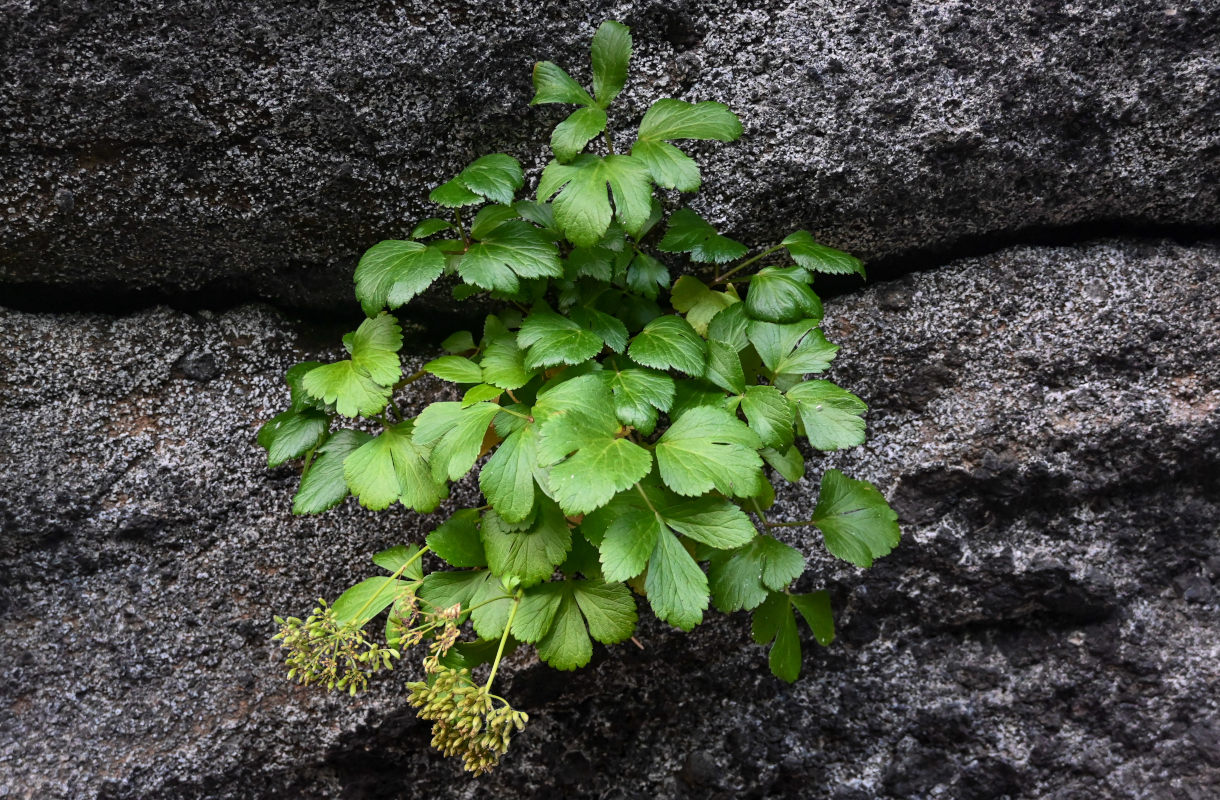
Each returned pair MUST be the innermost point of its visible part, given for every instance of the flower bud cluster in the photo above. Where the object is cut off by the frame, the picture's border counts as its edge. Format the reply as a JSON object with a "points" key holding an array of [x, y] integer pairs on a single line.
{"points": [[466, 721], [322, 650]]}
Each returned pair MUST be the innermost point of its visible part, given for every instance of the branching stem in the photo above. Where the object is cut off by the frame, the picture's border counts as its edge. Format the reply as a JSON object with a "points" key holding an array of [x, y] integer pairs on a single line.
{"points": [[744, 264]]}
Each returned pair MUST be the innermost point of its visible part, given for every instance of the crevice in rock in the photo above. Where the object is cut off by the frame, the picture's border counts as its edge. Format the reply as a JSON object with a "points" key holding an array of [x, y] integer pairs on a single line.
{"points": [[116, 298]]}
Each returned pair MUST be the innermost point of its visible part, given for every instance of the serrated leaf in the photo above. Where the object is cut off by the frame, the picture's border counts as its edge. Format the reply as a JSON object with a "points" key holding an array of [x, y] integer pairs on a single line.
{"points": [[292, 434], [582, 208], [496, 176], [820, 258], [699, 303], [788, 463], [677, 588], [638, 395], [706, 449], [785, 657], [832, 416], [481, 393], [768, 616], [713, 521], [430, 227], [348, 388], [512, 250], [668, 166], [392, 467], [455, 369], [730, 326], [457, 541], [572, 135], [323, 486], [669, 342], [366, 600], [770, 416], [677, 119], [454, 194], [553, 85], [646, 276], [724, 368], [503, 362], [608, 608], [629, 542], [796, 348], [815, 608], [455, 433], [392, 272], [690, 233], [531, 554], [610, 330], [489, 218], [611, 52], [566, 645], [856, 522], [507, 479], [458, 342], [443, 590], [550, 339], [294, 377], [774, 296], [397, 557]]}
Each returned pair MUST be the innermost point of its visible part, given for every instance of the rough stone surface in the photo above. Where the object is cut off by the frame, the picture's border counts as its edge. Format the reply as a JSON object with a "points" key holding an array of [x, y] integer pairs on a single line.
{"points": [[255, 149], [1046, 420]]}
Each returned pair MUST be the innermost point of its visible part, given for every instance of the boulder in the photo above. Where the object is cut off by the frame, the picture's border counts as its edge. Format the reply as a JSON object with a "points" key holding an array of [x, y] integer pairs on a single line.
{"points": [[1044, 419], [211, 153]]}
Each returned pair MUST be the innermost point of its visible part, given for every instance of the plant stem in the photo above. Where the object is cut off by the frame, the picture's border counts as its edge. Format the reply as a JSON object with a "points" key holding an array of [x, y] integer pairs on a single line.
{"points": [[308, 462], [609, 141], [412, 378], [397, 410], [526, 417], [457, 214], [390, 580], [508, 626], [801, 524], [744, 264], [758, 510]]}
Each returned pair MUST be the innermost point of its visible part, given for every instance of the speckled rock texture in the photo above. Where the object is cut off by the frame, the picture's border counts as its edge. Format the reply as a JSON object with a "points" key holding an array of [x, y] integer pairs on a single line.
{"points": [[1046, 421], [217, 150]]}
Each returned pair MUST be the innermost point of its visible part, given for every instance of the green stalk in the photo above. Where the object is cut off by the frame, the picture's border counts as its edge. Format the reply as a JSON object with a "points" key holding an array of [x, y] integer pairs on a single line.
{"points": [[744, 264], [390, 580], [508, 626]]}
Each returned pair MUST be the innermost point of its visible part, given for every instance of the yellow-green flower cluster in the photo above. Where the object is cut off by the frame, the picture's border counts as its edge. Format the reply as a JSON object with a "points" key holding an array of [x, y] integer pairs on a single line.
{"points": [[466, 721], [322, 650]]}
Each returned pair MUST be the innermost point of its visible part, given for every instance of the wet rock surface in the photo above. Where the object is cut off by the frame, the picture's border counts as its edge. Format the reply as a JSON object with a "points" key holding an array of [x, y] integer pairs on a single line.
{"points": [[209, 152], [1045, 420]]}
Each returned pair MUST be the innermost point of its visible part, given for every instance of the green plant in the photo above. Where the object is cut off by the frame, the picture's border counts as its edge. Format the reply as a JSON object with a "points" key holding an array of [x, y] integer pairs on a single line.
{"points": [[628, 419]]}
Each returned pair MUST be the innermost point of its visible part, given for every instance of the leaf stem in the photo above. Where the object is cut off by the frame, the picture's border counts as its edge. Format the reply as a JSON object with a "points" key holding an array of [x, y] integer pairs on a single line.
{"points": [[761, 515], [609, 140], [397, 410], [308, 462], [508, 626], [744, 264], [390, 580], [457, 214], [801, 524], [412, 378], [526, 417]]}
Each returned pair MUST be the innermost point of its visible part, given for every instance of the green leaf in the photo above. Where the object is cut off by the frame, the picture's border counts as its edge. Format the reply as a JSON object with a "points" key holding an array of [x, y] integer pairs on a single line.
{"points": [[457, 541], [507, 479], [668, 166], [768, 617], [395, 557], [785, 658], [550, 339], [815, 608], [610, 330], [555, 615], [489, 218], [677, 119], [361, 385], [646, 276], [856, 522], [629, 542], [724, 368], [503, 361], [374, 347], [430, 227], [461, 431], [788, 463], [569, 138], [582, 208], [730, 326], [443, 590], [608, 608], [553, 85], [706, 449], [638, 395], [480, 393], [323, 486], [699, 303], [677, 588], [392, 467], [611, 52], [774, 296], [459, 342], [455, 369], [833, 417], [512, 250], [392, 272], [794, 349], [770, 416], [566, 646], [537, 610], [669, 342], [813, 256], [454, 194], [713, 521], [295, 378], [529, 555], [496, 177], [366, 600], [292, 434], [690, 233]]}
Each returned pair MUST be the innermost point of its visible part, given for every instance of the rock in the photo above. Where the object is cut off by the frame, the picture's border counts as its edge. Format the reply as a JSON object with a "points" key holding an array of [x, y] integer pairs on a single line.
{"points": [[212, 153], [1040, 632]]}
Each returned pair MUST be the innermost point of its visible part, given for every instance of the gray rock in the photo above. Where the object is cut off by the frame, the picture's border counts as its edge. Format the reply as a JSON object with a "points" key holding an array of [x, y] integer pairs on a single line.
{"points": [[219, 152], [1046, 420]]}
